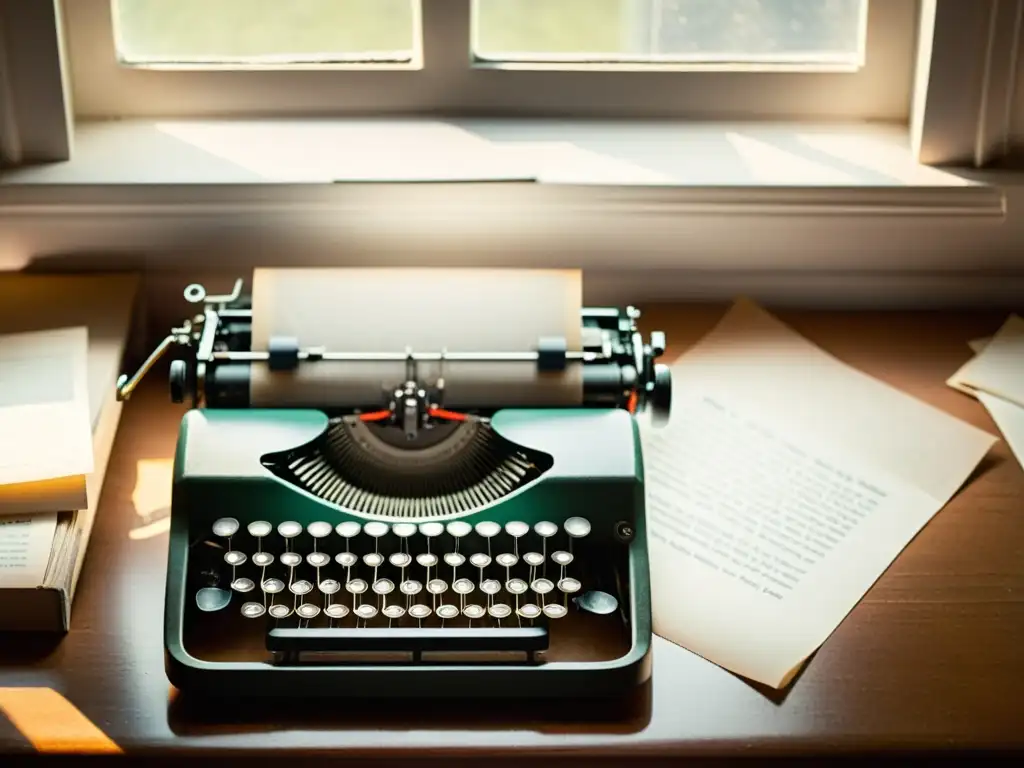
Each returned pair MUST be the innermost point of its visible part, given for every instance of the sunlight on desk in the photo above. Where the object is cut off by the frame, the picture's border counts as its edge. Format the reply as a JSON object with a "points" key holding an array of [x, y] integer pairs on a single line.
{"points": [[151, 498]]}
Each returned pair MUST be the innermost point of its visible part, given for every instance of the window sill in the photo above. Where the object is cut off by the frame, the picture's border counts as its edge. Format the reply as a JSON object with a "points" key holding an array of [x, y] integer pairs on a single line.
{"points": [[797, 169], [835, 215]]}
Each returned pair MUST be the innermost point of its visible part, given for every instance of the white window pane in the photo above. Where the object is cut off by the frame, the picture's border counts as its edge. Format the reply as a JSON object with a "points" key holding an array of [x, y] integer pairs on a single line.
{"points": [[740, 31], [258, 31]]}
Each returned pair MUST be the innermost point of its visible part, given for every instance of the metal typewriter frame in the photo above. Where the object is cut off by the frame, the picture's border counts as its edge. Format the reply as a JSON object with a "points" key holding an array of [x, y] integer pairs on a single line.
{"points": [[645, 385], [648, 383]]}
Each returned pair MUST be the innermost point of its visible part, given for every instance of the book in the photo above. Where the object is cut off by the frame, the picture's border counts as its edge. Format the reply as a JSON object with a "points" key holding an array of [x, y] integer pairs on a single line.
{"points": [[45, 434], [42, 551]]}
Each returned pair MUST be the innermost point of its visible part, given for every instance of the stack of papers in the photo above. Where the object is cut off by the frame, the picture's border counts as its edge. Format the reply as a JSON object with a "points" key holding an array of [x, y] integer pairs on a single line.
{"points": [[784, 485], [62, 338], [996, 378]]}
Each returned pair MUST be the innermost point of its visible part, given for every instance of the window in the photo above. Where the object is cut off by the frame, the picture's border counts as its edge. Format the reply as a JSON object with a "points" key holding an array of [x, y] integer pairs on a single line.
{"points": [[758, 32], [615, 58], [261, 32]]}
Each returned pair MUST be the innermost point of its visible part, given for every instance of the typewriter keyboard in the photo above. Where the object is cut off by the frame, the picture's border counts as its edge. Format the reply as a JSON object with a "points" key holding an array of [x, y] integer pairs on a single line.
{"points": [[376, 576]]}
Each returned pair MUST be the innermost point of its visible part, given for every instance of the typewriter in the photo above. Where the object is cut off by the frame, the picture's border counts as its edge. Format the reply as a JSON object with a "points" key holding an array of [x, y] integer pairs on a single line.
{"points": [[409, 546]]}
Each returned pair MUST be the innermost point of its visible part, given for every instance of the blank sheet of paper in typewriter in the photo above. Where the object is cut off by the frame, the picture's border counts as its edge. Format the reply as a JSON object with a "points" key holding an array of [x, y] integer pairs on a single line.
{"points": [[783, 487], [45, 430], [425, 310]]}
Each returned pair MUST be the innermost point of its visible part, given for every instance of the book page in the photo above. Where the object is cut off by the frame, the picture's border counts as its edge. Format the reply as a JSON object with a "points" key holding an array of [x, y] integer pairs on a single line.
{"points": [[45, 429], [784, 485], [25, 544]]}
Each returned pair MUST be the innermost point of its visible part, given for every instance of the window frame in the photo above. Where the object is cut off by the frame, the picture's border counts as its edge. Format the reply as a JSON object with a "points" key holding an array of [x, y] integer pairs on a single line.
{"points": [[961, 109], [447, 80], [35, 116]]}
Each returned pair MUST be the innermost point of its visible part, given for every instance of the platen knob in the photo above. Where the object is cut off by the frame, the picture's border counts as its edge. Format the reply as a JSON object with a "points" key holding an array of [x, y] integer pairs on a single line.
{"points": [[178, 380]]}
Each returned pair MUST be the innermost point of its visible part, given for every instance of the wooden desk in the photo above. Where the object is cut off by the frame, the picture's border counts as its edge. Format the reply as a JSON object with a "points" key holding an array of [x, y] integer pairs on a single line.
{"points": [[931, 659]]}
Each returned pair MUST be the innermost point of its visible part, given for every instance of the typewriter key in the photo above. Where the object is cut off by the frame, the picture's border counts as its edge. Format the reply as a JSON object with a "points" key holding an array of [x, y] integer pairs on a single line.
{"points": [[210, 599], [507, 560], [242, 584], [516, 586], [528, 611], [319, 529], [234, 557], [487, 529], [426, 559], [490, 587], [447, 611], [356, 586], [329, 586], [542, 586], [437, 586], [253, 610], [308, 611], [463, 586], [454, 559], [516, 529], [577, 527], [289, 529], [259, 528], [318, 559], [458, 528], [562, 558], [263, 559], [300, 587], [348, 529], [383, 586], [400, 560], [473, 611], [411, 587], [346, 559], [479, 560], [273, 586], [420, 611], [533, 559], [336, 610], [373, 559], [500, 611], [375, 529], [555, 610], [280, 611], [569, 585], [225, 527], [393, 612], [597, 602], [431, 530], [545, 529], [403, 530], [366, 611], [290, 559]]}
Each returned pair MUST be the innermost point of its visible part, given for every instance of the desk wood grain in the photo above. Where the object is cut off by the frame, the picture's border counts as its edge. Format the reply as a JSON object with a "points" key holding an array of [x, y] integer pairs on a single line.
{"points": [[930, 661]]}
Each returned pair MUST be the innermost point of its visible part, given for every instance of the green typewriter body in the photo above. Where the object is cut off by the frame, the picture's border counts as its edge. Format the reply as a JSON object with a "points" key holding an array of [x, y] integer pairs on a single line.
{"points": [[413, 550]]}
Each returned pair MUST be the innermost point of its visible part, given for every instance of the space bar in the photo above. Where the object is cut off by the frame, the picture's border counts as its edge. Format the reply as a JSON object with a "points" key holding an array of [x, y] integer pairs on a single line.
{"points": [[372, 639]]}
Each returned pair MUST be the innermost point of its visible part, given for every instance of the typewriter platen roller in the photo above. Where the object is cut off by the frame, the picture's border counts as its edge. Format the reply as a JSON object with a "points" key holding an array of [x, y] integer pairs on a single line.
{"points": [[400, 534]]}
